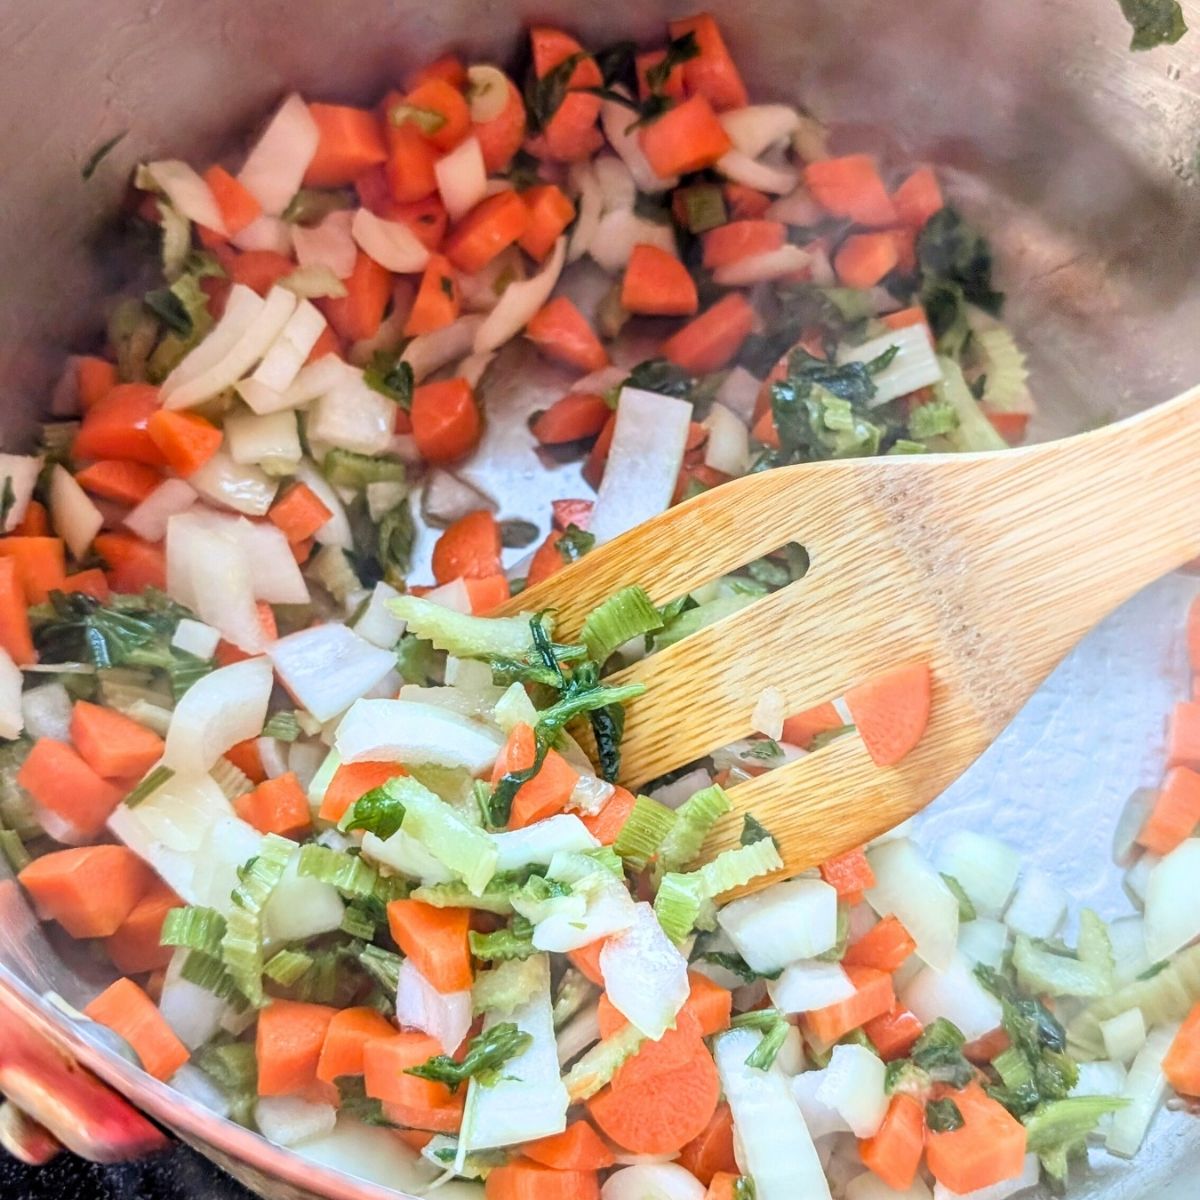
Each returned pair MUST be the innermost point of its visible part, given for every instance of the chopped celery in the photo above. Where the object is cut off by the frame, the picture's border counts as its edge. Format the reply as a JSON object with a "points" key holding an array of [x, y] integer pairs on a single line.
{"points": [[506, 986], [147, 786], [345, 468], [465, 636], [694, 819], [1060, 1123], [597, 1067], [382, 965], [458, 895], [242, 944], [623, 616], [282, 725], [644, 832], [1051, 974], [13, 849], [773, 1025], [195, 927], [572, 993], [735, 868], [504, 945], [350, 874], [288, 967], [974, 431], [692, 620], [678, 904]]}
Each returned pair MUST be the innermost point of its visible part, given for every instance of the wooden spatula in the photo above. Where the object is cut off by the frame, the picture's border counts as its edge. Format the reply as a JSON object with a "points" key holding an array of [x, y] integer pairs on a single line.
{"points": [[989, 567]]}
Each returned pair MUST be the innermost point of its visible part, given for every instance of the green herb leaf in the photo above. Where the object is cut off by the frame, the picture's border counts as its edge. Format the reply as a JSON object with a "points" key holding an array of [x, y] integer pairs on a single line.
{"points": [[1154, 22], [310, 206], [574, 543], [544, 97], [734, 963], [397, 532], [744, 1189], [390, 376], [943, 1116], [679, 50], [485, 1056], [146, 787], [100, 153], [377, 811], [617, 64], [774, 1027], [966, 910]]}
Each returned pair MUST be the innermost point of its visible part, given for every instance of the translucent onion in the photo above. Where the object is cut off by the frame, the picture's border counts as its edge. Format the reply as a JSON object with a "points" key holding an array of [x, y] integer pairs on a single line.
{"points": [[328, 667], [274, 168], [216, 712], [392, 244], [327, 244]]}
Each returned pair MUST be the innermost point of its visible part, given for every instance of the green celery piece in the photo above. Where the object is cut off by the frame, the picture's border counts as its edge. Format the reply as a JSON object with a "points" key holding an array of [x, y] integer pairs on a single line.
{"points": [[974, 431], [624, 615], [572, 993], [506, 986], [646, 828], [458, 895], [1061, 1123], [694, 619], [288, 967], [195, 927], [735, 868], [1045, 973], [505, 945], [773, 1025], [1094, 947], [349, 873], [242, 945], [382, 965], [346, 468], [465, 636], [597, 1067], [678, 904], [694, 820]]}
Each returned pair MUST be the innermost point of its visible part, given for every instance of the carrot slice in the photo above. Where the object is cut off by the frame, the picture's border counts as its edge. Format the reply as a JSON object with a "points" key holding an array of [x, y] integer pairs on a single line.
{"points": [[487, 592], [873, 996], [299, 512], [571, 134], [136, 946], [685, 138], [437, 302], [239, 206], [1175, 814], [894, 1153], [1183, 732], [918, 198], [277, 805], [709, 341], [260, 270], [352, 780], [115, 427], [575, 416], [501, 137], [245, 756], [350, 141], [658, 284], [550, 212], [133, 564], [112, 744], [548, 791], [886, 946], [89, 890], [848, 873], [519, 1180], [438, 109], [125, 482], [711, 1152], [713, 73], [722, 1186], [358, 314], [129, 1012], [445, 420], [35, 522], [586, 960], [409, 1099], [38, 563], [91, 582], [863, 259], [895, 1033], [436, 940], [16, 636], [802, 728], [578, 1148], [988, 1148], [891, 711], [345, 1040], [1182, 1062], [745, 203], [94, 378], [469, 549], [288, 1044], [561, 332], [409, 170], [850, 187], [491, 226], [709, 1003], [64, 784], [737, 240]]}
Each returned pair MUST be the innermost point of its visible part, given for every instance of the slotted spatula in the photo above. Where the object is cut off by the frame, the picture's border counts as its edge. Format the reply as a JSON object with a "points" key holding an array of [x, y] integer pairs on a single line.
{"points": [[989, 567]]}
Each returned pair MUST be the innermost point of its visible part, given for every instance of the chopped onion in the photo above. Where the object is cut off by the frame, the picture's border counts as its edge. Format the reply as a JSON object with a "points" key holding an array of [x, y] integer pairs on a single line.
{"points": [[289, 1120], [474, 367], [537, 844], [406, 731], [908, 886], [445, 1016], [377, 624], [727, 448], [429, 352], [769, 712], [380, 1157], [1129, 824], [12, 719], [189, 195], [616, 119], [487, 92], [955, 994], [273, 438], [1128, 938], [607, 909], [328, 667], [985, 868], [1137, 877], [277, 578], [617, 187], [272, 753], [853, 1087], [193, 1012], [673, 794], [643, 461], [241, 487], [652, 1181], [404, 854], [274, 168], [783, 923], [452, 595], [149, 518], [786, 261], [820, 1118], [810, 984], [739, 394], [20, 472], [519, 303], [45, 711], [216, 712], [315, 282], [589, 208], [741, 168], [199, 1087], [304, 759], [796, 208], [353, 415], [580, 1033], [1145, 1089], [327, 244], [461, 178], [290, 350], [301, 907], [447, 498], [618, 232], [265, 233], [645, 976], [1173, 902], [392, 244], [1124, 1035], [75, 518], [335, 531], [481, 291], [755, 128], [983, 941], [1039, 907], [915, 365]]}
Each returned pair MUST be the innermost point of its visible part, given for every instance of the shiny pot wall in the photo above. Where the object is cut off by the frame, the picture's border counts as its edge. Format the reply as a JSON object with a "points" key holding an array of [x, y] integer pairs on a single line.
{"points": [[1080, 159]]}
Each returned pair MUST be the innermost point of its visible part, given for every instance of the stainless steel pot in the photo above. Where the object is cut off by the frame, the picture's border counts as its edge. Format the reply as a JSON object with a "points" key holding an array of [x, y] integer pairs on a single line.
{"points": [[1080, 159]]}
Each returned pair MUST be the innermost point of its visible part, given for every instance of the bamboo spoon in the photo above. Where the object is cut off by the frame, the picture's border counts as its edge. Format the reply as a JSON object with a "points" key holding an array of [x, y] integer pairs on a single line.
{"points": [[989, 567]]}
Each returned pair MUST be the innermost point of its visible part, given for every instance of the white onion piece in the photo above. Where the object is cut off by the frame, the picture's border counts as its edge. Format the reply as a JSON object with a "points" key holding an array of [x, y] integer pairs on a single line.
{"points": [[1129, 824], [868, 1186], [452, 595], [255, 338], [301, 907], [757, 127], [589, 207], [607, 909], [75, 518], [796, 208], [854, 1087], [46, 711], [404, 854], [272, 753], [329, 243], [615, 119], [1038, 908], [353, 416], [276, 576], [617, 187], [21, 473], [537, 844], [12, 719], [445, 1016], [820, 1118], [189, 195], [193, 1012], [290, 350], [643, 461], [519, 303], [406, 731], [199, 1087], [983, 941], [265, 233], [392, 244], [1145, 1088], [313, 283], [1128, 938], [783, 923], [429, 352], [149, 518], [1124, 1035], [741, 168], [673, 794], [769, 712], [239, 486], [1137, 878], [274, 168], [728, 450], [461, 178], [619, 231], [739, 393], [761, 268], [216, 712], [580, 1033], [487, 92], [328, 667], [908, 886], [807, 985], [985, 868], [955, 994], [270, 438], [241, 308], [652, 1181], [289, 1120], [378, 1156], [474, 367], [644, 974], [915, 365], [481, 291], [1173, 902], [377, 625]]}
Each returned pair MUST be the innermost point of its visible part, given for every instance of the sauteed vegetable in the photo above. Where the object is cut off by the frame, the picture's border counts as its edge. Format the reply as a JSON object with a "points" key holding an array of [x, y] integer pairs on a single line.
{"points": [[336, 827]]}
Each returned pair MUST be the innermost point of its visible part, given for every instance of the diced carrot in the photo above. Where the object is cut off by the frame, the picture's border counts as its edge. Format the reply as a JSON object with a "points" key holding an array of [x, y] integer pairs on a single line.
{"points": [[905, 317], [112, 744], [501, 137], [133, 564], [1175, 814], [15, 634], [345, 1039], [863, 259], [895, 1033], [548, 791], [245, 756], [438, 109], [91, 582], [983, 1049], [95, 377], [1183, 732], [723, 1186], [446, 420], [1010, 426], [186, 440], [802, 728], [449, 68], [64, 784], [709, 341], [657, 284], [848, 873], [886, 946], [904, 241], [741, 239], [136, 947], [850, 187], [409, 169], [437, 302], [487, 592], [89, 890], [891, 711], [125, 482], [988, 1148], [546, 560], [129, 1012], [277, 805], [491, 226], [561, 332], [228, 653], [586, 960], [427, 218], [714, 73], [288, 1044], [327, 343], [550, 212], [597, 459], [350, 141], [239, 207], [578, 1148], [39, 564], [709, 1003], [745, 203], [575, 416], [918, 198], [672, 87], [352, 780], [115, 427], [35, 522], [260, 270], [409, 1099], [608, 822], [436, 940], [1182, 1062], [469, 549], [357, 315], [711, 1152], [518, 1180], [299, 512], [685, 138], [894, 1153], [571, 134], [873, 996]]}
